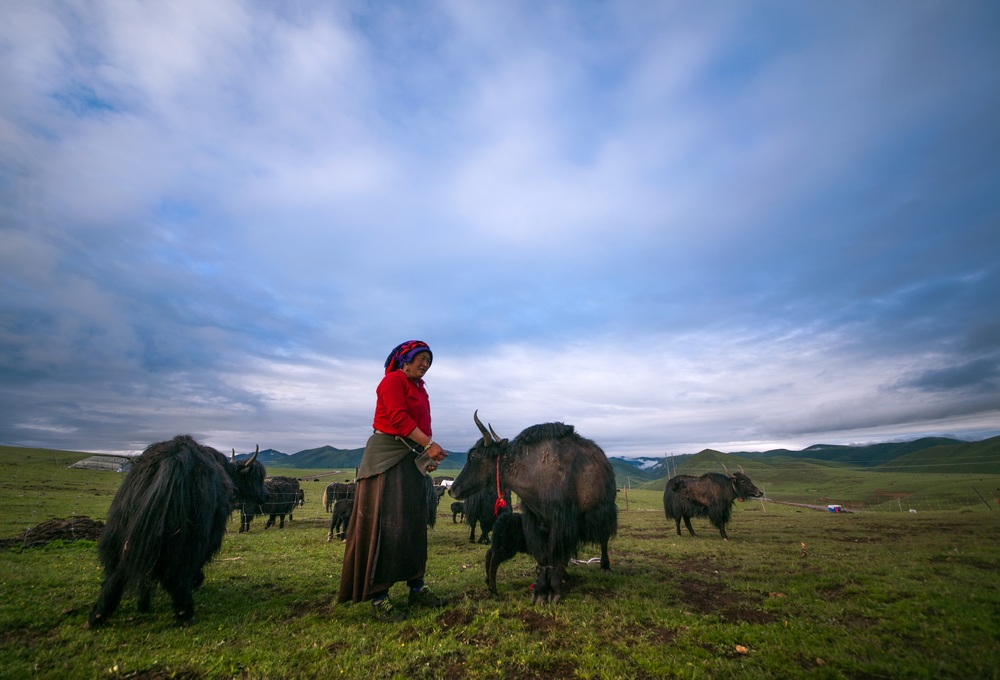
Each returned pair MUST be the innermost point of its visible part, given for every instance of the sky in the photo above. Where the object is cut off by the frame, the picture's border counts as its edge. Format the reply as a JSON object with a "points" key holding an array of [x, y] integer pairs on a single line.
{"points": [[673, 225]]}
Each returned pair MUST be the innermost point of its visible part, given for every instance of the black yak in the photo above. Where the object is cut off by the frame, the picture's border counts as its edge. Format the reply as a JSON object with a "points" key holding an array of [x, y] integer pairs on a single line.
{"points": [[506, 542], [167, 521], [282, 497], [567, 490], [480, 509], [457, 508], [340, 518], [712, 495], [336, 491]]}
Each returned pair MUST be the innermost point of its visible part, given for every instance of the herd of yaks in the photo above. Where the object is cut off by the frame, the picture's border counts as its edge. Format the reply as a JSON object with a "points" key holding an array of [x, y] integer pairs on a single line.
{"points": [[169, 515]]}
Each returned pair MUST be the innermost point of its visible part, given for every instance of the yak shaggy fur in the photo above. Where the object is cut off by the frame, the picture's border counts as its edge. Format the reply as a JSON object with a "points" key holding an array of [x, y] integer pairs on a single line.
{"points": [[567, 489], [167, 520]]}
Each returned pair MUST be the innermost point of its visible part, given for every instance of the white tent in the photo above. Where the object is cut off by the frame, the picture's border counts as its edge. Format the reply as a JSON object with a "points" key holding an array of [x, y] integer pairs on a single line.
{"points": [[110, 463]]}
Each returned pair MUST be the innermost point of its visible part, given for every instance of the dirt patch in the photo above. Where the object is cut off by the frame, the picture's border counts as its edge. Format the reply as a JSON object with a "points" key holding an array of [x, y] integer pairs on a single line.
{"points": [[699, 565], [663, 636], [453, 618], [537, 623], [713, 597], [73, 529]]}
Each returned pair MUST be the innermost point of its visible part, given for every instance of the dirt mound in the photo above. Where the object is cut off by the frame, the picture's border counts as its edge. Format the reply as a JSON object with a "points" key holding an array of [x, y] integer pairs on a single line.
{"points": [[72, 529]]}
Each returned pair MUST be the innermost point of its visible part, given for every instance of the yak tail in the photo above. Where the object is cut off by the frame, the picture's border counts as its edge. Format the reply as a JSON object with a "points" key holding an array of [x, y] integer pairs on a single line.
{"points": [[137, 521], [326, 502]]}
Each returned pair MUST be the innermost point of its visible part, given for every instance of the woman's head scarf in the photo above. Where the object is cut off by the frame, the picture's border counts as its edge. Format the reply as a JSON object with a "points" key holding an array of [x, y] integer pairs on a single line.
{"points": [[404, 353]]}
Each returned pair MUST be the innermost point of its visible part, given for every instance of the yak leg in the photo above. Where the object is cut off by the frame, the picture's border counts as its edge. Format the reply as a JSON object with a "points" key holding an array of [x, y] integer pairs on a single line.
{"points": [[687, 523], [722, 530], [145, 595], [180, 591], [484, 535], [555, 583], [491, 571], [472, 534], [281, 523], [108, 600], [548, 585], [333, 526], [677, 521], [605, 560], [540, 591], [269, 523]]}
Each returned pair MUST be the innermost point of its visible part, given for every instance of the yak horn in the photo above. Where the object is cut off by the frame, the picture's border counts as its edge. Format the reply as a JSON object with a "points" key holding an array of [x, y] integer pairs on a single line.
{"points": [[252, 458], [494, 433], [726, 469], [741, 470], [487, 439], [232, 458]]}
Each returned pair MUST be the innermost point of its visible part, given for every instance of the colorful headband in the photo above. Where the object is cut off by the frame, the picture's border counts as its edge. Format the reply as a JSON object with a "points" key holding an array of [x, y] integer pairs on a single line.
{"points": [[404, 353]]}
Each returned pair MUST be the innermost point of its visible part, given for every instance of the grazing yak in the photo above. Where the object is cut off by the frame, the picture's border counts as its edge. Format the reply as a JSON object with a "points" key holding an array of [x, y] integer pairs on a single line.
{"points": [[457, 508], [480, 510], [712, 495], [282, 497], [567, 490], [167, 521], [341, 516]]}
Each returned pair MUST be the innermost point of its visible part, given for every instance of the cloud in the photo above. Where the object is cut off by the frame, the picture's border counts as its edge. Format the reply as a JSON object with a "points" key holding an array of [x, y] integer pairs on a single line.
{"points": [[672, 226]]}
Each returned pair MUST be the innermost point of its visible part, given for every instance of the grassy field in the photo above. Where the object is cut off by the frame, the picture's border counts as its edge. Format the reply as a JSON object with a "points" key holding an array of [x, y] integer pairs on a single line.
{"points": [[871, 595]]}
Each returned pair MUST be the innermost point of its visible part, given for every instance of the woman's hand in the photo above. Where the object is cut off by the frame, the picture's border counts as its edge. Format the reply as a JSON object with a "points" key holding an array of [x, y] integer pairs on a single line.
{"points": [[436, 453]]}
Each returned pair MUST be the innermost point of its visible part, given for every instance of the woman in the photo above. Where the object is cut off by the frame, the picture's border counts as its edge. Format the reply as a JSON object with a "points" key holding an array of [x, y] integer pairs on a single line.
{"points": [[387, 534]]}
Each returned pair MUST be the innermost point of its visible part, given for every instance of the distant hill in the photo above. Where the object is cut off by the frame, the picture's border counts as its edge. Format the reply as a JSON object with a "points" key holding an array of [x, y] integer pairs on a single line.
{"points": [[865, 456], [648, 467], [981, 457], [326, 458], [266, 457]]}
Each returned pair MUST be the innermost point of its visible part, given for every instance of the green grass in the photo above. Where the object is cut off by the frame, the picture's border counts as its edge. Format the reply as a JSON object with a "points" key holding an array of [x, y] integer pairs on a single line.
{"points": [[877, 594]]}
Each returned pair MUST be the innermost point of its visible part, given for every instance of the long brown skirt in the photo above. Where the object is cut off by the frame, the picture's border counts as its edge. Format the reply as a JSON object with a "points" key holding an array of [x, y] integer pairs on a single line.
{"points": [[387, 533]]}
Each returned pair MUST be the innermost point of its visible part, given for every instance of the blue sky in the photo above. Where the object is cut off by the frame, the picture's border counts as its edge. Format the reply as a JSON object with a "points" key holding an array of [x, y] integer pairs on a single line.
{"points": [[737, 225]]}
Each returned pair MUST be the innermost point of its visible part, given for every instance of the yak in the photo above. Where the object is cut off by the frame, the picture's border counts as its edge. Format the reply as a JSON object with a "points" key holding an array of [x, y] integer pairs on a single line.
{"points": [[711, 495], [457, 508], [167, 520], [336, 491], [281, 499], [566, 486], [341, 516], [480, 510], [506, 542]]}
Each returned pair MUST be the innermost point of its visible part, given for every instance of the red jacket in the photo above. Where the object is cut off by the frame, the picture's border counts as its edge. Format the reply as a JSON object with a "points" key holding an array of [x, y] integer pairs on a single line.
{"points": [[402, 405]]}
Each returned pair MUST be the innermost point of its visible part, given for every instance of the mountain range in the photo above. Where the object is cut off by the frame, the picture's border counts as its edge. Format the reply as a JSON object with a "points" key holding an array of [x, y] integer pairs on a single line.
{"points": [[929, 454]]}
